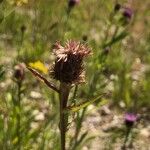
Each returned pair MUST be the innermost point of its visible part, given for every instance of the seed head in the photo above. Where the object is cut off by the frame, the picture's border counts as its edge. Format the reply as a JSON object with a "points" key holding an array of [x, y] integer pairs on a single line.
{"points": [[68, 67]]}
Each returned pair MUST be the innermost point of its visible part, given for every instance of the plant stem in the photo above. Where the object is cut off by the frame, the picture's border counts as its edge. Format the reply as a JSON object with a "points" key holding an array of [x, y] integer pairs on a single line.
{"points": [[18, 115], [78, 126], [63, 97], [126, 138]]}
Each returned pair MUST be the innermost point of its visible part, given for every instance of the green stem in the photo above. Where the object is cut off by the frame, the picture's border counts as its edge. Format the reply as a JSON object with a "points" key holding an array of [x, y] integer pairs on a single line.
{"points": [[63, 96], [20, 45], [19, 115], [115, 33], [126, 138], [111, 16], [78, 127]]}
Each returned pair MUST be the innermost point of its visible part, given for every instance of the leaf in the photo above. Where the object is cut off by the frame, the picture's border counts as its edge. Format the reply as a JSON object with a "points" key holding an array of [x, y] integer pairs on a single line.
{"points": [[116, 39], [15, 140], [83, 136], [86, 141], [43, 79], [1, 16], [39, 66], [84, 104]]}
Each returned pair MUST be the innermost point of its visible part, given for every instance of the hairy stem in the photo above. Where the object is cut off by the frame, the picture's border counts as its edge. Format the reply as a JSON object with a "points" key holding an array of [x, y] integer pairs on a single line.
{"points": [[63, 96]]}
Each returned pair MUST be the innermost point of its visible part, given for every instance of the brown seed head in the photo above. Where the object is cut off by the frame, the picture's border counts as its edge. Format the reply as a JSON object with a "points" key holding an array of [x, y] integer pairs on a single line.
{"points": [[68, 65]]}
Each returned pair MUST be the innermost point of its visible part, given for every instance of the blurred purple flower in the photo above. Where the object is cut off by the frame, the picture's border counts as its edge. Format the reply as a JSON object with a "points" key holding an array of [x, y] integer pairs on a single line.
{"points": [[130, 119], [72, 3], [127, 13]]}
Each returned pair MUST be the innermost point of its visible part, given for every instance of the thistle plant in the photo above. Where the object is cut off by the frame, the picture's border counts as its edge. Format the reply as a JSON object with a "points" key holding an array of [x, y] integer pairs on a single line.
{"points": [[19, 74], [130, 119], [68, 69]]}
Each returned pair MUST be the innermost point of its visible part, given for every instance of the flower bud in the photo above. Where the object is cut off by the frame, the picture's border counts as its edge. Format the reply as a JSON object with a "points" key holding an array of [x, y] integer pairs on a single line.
{"points": [[106, 50], [127, 13], [23, 28], [117, 7], [19, 72], [72, 3], [84, 38]]}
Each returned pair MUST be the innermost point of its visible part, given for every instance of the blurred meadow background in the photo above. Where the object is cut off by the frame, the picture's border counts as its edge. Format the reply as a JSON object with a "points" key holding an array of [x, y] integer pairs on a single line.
{"points": [[117, 74]]}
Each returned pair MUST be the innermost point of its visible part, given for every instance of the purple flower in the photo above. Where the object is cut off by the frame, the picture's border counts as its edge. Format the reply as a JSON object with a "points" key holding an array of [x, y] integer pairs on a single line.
{"points": [[130, 119], [72, 3], [127, 13]]}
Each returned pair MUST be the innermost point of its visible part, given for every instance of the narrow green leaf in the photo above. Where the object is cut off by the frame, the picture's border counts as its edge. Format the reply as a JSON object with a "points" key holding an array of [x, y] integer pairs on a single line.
{"points": [[83, 136], [83, 105], [86, 141], [1, 16]]}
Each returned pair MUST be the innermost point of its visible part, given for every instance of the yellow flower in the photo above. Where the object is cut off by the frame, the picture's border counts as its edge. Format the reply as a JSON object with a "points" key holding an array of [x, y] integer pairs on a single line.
{"points": [[18, 2], [39, 66]]}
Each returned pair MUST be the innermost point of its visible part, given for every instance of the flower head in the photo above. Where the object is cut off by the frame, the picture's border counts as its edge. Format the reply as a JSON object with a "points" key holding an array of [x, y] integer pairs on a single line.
{"points": [[72, 3], [130, 119], [127, 13], [68, 65]]}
